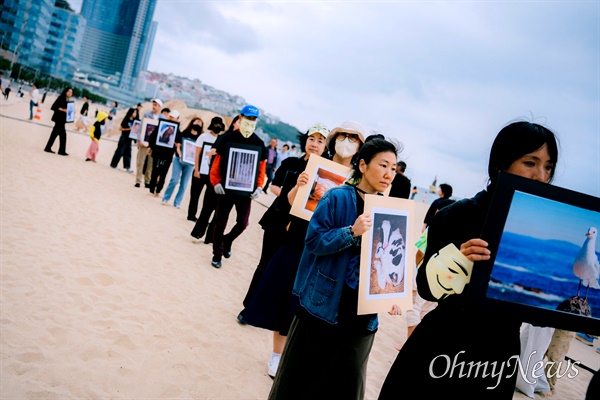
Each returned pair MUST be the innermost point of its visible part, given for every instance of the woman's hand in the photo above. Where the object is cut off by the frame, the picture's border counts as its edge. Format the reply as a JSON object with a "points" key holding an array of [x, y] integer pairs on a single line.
{"points": [[362, 224], [395, 310], [303, 179], [196, 173], [475, 250]]}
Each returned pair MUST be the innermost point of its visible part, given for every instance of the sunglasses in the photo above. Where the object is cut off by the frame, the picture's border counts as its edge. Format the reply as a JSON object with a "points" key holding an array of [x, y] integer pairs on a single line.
{"points": [[352, 137]]}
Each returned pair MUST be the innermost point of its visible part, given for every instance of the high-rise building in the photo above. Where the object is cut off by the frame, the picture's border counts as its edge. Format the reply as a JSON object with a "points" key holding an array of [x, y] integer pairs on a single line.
{"points": [[24, 26], [115, 39], [63, 42]]}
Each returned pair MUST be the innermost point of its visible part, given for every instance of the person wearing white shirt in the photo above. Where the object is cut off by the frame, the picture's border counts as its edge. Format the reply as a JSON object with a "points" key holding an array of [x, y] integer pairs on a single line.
{"points": [[282, 155], [35, 98]]}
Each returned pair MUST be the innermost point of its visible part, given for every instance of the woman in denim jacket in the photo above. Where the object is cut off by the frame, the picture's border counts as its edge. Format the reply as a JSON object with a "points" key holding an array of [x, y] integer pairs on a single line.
{"points": [[328, 345]]}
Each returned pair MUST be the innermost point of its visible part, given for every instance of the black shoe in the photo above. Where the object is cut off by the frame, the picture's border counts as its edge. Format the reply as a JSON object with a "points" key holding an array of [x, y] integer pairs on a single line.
{"points": [[216, 263], [193, 219], [226, 250], [196, 239], [146, 185], [137, 185], [88, 159], [49, 151], [207, 241], [63, 154], [240, 318]]}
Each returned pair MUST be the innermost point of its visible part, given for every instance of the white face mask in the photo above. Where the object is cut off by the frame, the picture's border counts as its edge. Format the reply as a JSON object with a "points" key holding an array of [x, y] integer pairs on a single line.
{"points": [[247, 127], [345, 148]]}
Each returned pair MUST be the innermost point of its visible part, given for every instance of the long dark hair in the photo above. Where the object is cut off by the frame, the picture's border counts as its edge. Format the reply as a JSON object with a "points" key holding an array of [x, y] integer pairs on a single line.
{"points": [[61, 100], [188, 129], [233, 121], [514, 141]]}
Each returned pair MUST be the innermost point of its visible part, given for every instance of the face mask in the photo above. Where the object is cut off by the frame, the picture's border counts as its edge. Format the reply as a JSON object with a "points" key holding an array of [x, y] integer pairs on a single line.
{"points": [[247, 127], [344, 148]]}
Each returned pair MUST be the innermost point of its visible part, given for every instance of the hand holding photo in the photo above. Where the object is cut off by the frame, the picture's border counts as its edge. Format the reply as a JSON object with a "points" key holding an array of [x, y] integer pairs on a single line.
{"points": [[205, 159], [242, 168], [387, 258], [167, 130], [188, 151], [148, 129], [70, 112], [324, 175], [544, 246], [134, 133]]}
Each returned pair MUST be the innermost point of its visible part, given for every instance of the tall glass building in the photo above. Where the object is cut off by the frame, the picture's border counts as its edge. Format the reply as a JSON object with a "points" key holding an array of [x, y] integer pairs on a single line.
{"points": [[116, 39], [24, 26]]}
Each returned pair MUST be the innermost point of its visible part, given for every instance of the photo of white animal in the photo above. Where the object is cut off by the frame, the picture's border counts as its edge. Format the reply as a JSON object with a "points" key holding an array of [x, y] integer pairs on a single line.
{"points": [[389, 257]]}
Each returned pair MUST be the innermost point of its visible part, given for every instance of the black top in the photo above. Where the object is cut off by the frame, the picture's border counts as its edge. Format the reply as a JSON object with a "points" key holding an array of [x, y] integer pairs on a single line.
{"points": [[59, 116], [98, 129], [229, 140], [400, 187], [433, 208], [84, 108]]}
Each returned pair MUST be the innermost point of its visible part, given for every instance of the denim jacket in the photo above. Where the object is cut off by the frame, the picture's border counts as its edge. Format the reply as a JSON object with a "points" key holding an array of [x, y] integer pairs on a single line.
{"points": [[327, 254]]}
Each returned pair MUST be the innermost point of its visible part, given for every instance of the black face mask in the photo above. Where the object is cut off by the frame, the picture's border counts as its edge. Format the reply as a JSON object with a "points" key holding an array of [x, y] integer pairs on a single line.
{"points": [[218, 128]]}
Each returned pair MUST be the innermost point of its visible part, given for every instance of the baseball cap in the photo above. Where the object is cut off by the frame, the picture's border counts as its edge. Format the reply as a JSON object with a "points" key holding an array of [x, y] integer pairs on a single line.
{"points": [[158, 101], [174, 114], [250, 111], [318, 128], [347, 126]]}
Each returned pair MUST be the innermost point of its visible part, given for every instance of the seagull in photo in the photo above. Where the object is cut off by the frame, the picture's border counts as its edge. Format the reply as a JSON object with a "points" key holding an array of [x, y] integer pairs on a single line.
{"points": [[586, 266]]}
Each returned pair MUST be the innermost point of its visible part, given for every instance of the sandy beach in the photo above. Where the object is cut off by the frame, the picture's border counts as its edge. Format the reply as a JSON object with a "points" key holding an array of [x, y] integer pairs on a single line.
{"points": [[104, 295]]}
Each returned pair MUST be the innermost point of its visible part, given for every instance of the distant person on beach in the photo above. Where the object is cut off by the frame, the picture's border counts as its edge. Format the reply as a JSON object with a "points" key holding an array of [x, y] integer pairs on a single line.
{"points": [[445, 192], [200, 179], [33, 102], [83, 122], [203, 227], [218, 173], [7, 92], [95, 134], [182, 171], [60, 119], [453, 244], [328, 345], [282, 155], [44, 96], [414, 192], [144, 159], [112, 114], [401, 184], [161, 158], [272, 154], [124, 145]]}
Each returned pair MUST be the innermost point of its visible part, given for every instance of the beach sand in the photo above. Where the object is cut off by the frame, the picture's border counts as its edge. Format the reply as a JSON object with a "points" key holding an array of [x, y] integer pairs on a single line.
{"points": [[104, 296]]}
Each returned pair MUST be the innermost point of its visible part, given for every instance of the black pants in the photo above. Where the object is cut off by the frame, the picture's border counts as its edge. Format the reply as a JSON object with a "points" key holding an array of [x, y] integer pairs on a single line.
{"points": [[270, 175], [209, 204], [123, 150], [195, 190], [225, 203], [60, 132], [160, 168]]}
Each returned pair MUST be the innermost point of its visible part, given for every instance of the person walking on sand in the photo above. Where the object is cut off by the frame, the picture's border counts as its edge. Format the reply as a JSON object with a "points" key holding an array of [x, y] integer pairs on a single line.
{"points": [[33, 102], [112, 114], [162, 156], [95, 134], [83, 117], [143, 157], [200, 178], [272, 155], [218, 172], [182, 171], [124, 145], [60, 119]]}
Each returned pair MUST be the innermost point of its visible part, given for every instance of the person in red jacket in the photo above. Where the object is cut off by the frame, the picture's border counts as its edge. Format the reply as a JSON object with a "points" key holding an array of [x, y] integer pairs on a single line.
{"points": [[231, 176]]}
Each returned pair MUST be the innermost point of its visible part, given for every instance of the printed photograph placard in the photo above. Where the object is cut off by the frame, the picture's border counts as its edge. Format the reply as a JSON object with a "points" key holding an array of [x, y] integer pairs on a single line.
{"points": [[242, 169], [167, 130], [544, 255], [134, 133], [70, 111], [188, 151], [149, 127], [387, 257], [324, 175], [205, 159]]}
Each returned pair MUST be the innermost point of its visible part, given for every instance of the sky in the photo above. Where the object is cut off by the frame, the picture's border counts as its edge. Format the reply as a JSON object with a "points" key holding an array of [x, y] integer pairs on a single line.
{"points": [[547, 219], [441, 78]]}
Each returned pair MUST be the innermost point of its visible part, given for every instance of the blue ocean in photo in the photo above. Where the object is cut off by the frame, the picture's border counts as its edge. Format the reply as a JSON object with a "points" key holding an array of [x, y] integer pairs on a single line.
{"points": [[537, 272]]}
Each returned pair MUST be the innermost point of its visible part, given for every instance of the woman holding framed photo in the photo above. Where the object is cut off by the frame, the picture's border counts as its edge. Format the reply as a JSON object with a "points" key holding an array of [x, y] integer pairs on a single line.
{"points": [[487, 340], [182, 170], [328, 345], [60, 119]]}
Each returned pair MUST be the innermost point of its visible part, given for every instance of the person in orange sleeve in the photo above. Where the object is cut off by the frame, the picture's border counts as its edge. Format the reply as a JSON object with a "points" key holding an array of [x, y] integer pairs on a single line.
{"points": [[237, 168]]}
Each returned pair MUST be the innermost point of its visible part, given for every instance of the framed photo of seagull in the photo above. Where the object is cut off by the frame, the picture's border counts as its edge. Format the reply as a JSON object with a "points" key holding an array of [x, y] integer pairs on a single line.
{"points": [[544, 247]]}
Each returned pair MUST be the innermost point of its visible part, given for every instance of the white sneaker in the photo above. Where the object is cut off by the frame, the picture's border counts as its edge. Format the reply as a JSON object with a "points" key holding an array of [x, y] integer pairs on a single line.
{"points": [[164, 202], [274, 365]]}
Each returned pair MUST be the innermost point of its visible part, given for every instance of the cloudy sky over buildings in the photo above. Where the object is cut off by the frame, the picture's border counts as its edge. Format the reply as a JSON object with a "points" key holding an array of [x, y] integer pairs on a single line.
{"points": [[441, 77]]}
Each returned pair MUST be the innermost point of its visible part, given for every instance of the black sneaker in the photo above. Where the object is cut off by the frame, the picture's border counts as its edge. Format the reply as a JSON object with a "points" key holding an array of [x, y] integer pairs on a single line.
{"points": [[240, 318], [147, 185], [137, 185], [216, 263], [63, 154], [193, 219], [226, 250], [49, 151]]}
